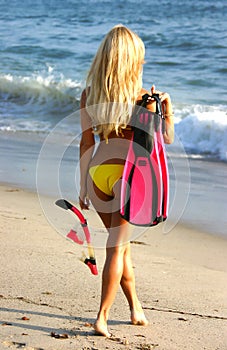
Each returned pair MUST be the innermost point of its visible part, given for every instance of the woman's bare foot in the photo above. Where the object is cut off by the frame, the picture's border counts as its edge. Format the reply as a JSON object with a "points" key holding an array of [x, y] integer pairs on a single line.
{"points": [[138, 317], [101, 328]]}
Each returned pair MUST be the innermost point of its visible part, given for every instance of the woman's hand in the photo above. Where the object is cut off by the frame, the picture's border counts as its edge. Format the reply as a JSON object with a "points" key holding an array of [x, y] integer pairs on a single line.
{"points": [[165, 101], [84, 202]]}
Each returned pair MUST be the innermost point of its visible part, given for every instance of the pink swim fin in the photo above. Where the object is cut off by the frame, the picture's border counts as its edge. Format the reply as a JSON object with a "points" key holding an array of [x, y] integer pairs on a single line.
{"points": [[145, 184]]}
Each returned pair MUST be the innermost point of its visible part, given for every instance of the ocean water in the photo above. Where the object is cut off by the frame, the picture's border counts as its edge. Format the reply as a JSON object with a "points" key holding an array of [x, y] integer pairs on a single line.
{"points": [[46, 48]]}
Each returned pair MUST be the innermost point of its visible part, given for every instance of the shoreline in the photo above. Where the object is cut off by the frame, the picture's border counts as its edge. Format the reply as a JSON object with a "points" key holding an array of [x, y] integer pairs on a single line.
{"points": [[198, 186], [187, 225], [45, 291]]}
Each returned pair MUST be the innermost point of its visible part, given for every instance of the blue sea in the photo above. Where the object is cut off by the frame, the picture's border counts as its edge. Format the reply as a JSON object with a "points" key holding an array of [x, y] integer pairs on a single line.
{"points": [[46, 48]]}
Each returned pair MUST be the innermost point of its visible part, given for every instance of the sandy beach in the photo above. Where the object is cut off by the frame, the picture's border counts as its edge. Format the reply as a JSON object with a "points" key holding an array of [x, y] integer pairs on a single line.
{"points": [[49, 299]]}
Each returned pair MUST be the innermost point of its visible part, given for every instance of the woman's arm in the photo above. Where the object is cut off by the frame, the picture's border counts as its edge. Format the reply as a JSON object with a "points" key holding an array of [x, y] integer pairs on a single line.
{"points": [[168, 114], [169, 132], [87, 143]]}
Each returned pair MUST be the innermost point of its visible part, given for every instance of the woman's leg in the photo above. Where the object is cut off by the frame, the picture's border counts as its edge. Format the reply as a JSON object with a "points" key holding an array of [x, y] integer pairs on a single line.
{"points": [[128, 277], [129, 289], [118, 267], [112, 271]]}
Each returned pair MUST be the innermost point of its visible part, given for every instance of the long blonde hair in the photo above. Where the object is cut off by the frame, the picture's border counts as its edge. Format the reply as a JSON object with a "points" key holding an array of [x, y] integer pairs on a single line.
{"points": [[114, 80]]}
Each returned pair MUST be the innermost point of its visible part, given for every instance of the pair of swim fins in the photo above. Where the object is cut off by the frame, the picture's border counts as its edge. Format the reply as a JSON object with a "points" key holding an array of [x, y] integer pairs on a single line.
{"points": [[145, 181]]}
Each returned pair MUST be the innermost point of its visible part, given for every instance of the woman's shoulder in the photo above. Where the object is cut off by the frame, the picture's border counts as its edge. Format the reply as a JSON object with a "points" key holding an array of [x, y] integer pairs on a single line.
{"points": [[83, 97]]}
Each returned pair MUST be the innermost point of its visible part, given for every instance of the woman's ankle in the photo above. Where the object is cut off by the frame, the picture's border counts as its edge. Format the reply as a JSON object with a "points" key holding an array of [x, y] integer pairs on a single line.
{"points": [[138, 317], [102, 316], [135, 305]]}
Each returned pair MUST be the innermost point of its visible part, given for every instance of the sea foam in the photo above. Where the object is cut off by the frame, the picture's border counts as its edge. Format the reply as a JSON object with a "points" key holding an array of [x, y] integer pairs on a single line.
{"points": [[203, 129], [38, 102]]}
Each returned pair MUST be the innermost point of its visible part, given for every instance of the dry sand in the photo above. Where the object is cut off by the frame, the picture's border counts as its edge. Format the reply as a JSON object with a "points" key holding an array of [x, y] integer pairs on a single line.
{"points": [[49, 299]]}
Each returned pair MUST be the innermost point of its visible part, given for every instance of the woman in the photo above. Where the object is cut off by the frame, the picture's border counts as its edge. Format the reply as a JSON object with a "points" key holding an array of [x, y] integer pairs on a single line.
{"points": [[114, 86]]}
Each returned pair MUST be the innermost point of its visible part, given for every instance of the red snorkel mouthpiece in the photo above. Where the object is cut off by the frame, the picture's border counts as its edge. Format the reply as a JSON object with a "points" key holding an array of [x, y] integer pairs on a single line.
{"points": [[91, 263]]}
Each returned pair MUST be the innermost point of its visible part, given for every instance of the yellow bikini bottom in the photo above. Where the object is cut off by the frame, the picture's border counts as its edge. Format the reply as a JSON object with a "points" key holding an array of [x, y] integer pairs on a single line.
{"points": [[105, 176]]}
